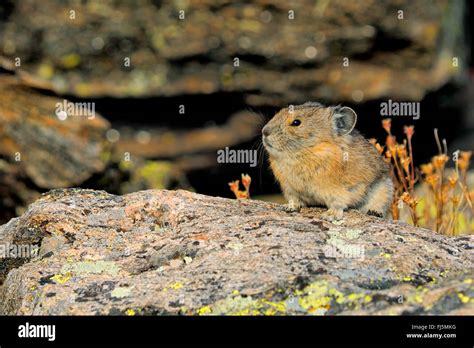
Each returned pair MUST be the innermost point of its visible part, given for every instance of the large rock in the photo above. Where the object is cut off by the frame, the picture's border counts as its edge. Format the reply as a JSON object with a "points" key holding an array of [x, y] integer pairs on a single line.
{"points": [[176, 252], [241, 127], [52, 152], [282, 59], [39, 151], [15, 193]]}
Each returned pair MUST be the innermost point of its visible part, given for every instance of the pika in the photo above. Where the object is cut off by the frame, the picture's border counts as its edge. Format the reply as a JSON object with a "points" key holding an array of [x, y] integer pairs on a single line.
{"points": [[318, 158]]}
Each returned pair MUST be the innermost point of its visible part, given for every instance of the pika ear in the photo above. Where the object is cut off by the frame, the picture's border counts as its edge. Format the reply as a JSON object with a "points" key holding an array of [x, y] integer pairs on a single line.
{"points": [[344, 120]]}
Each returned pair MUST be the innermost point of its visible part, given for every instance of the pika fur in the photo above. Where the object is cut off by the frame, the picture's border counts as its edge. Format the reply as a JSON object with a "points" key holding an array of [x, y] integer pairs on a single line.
{"points": [[320, 159]]}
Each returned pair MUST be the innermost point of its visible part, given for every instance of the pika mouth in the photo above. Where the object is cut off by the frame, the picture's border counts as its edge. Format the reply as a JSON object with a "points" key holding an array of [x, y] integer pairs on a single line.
{"points": [[272, 150], [266, 143]]}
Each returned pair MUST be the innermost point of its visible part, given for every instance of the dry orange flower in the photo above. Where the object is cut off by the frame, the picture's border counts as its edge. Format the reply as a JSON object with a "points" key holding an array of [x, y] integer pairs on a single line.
{"points": [[427, 169], [387, 124], [246, 180], [452, 180], [401, 150], [432, 180], [391, 141], [464, 159], [409, 131], [405, 161], [234, 187], [439, 161]]}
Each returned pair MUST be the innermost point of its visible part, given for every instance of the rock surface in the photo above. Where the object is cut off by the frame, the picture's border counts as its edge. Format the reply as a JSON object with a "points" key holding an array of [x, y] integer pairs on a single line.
{"points": [[288, 53], [176, 252], [241, 127], [52, 152], [38, 151]]}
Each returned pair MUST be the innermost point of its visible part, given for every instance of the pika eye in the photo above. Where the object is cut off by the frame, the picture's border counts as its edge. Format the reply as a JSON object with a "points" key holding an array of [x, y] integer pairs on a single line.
{"points": [[296, 123]]}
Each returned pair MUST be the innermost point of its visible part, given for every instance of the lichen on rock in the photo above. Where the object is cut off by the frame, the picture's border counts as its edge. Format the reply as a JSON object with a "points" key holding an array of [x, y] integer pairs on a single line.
{"points": [[161, 252]]}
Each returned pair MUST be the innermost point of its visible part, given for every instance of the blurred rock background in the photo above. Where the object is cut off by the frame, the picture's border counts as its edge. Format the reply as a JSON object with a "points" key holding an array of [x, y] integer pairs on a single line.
{"points": [[174, 81]]}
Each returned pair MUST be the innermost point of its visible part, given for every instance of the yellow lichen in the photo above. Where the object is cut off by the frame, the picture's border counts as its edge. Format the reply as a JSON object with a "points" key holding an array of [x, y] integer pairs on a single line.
{"points": [[315, 298], [339, 296], [156, 173], [176, 286], [125, 165], [463, 298], [62, 278], [82, 89], [71, 60], [418, 296], [444, 273], [275, 306], [314, 304], [130, 312], [204, 310], [46, 71], [238, 305], [354, 297]]}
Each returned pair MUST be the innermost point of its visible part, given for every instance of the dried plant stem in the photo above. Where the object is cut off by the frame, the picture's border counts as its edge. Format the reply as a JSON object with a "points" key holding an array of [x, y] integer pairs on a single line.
{"points": [[447, 198], [439, 201], [412, 165], [439, 192], [401, 176], [437, 141]]}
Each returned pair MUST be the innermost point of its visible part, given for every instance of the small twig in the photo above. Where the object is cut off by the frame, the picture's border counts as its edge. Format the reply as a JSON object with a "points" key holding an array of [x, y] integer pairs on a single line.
{"points": [[437, 140]]}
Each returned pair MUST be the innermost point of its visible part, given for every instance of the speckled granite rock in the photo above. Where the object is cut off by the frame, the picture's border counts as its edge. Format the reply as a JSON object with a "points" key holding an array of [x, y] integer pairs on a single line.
{"points": [[177, 252]]}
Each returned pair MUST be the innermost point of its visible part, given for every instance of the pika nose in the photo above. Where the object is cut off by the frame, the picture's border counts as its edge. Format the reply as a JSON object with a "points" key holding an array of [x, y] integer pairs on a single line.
{"points": [[266, 131]]}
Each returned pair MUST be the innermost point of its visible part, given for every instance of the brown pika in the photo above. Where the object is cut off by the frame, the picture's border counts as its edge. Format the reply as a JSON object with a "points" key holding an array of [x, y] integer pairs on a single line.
{"points": [[320, 159]]}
